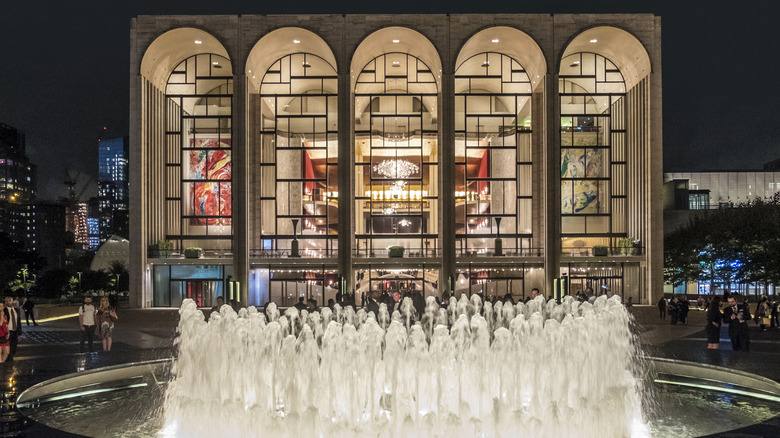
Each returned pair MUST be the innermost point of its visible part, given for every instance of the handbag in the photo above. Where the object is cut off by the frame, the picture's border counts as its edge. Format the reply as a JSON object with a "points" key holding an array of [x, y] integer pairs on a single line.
{"points": [[766, 321]]}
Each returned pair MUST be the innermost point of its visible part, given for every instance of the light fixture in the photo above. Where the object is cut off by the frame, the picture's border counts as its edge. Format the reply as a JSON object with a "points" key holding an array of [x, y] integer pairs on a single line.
{"points": [[495, 40], [305, 64], [215, 63], [296, 41], [594, 40], [396, 41], [198, 42], [486, 64], [404, 222], [396, 63], [396, 169]]}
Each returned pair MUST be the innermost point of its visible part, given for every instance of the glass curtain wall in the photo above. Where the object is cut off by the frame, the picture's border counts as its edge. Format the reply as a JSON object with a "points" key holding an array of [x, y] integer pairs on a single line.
{"points": [[396, 157], [296, 178], [593, 153], [493, 163], [198, 155]]}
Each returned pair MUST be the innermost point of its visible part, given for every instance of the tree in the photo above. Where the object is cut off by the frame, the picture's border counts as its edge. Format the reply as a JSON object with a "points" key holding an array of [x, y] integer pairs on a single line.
{"points": [[54, 283]]}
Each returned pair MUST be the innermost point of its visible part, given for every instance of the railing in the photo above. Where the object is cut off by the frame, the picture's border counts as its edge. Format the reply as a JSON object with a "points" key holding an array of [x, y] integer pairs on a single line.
{"points": [[610, 251], [408, 252], [285, 253], [153, 253], [506, 252]]}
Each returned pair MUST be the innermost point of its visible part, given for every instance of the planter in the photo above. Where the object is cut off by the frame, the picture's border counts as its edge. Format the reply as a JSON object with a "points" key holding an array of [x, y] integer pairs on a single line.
{"points": [[193, 253], [599, 251], [396, 251]]}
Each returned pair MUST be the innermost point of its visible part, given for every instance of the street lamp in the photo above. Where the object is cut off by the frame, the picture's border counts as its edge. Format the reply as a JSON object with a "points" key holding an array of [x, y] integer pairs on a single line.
{"points": [[79, 273]]}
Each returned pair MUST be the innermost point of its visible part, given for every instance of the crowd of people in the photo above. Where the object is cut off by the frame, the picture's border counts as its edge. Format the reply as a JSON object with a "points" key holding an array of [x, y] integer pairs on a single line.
{"points": [[735, 312]]}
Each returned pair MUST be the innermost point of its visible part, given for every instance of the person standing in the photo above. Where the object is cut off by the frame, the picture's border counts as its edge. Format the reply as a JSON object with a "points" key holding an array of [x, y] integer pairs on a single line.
{"points": [[662, 308], [674, 310], [106, 316], [29, 311], [4, 345], [734, 316], [683, 310], [714, 318], [87, 322], [14, 326]]}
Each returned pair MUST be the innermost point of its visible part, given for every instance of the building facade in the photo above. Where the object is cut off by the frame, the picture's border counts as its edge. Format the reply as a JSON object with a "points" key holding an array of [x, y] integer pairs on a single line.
{"points": [[307, 154]]}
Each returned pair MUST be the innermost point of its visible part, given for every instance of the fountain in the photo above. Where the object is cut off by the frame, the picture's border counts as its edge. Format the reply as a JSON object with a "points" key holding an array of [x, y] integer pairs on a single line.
{"points": [[539, 369]]}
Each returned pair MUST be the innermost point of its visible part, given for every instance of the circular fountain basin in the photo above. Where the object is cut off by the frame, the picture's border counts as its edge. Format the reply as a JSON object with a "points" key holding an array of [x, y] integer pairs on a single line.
{"points": [[687, 400]]}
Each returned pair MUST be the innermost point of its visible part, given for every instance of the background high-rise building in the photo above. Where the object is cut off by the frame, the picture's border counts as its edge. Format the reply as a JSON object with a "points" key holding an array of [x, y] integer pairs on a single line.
{"points": [[17, 188], [112, 187]]}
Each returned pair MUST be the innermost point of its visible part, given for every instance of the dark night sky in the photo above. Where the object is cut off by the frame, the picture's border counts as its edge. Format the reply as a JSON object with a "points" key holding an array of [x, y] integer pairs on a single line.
{"points": [[64, 72]]}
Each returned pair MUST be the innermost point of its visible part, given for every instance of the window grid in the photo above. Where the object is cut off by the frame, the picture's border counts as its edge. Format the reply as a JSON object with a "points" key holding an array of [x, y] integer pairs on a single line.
{"points": [[593, 155], [493, 122], [199, 150]]}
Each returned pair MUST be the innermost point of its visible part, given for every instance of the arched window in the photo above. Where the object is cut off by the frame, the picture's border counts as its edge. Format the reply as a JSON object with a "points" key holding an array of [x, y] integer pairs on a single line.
{"points": [[296, 178], [198, 155], [493, 162], [593, 152], [396, 156]]}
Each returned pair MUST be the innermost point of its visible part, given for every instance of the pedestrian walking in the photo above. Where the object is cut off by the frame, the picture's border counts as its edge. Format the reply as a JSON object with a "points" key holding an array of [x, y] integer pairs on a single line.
{"points": [[29, 311], [87, 322], [662, 308]]}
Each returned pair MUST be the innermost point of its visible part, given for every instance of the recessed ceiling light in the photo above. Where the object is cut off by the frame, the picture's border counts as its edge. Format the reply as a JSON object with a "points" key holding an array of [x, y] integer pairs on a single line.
{"points": [[594, 40], [306, 64], [396, 63], [296, 41], [495, 40], [396, 41], [198, 42], [486, 64], [215, 63]]}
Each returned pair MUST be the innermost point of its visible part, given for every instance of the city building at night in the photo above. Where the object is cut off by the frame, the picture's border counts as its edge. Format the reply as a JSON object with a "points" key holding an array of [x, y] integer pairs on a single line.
{"points": [[278, 156], [18, 186], [113, 196]]}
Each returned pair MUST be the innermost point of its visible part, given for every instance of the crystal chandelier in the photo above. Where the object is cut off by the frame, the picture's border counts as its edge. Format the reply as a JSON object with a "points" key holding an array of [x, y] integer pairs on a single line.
{"points": [[396, 169]]}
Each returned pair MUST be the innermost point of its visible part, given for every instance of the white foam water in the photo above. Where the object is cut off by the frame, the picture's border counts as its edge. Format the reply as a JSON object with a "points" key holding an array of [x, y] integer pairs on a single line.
{"points": [[539, 369]]}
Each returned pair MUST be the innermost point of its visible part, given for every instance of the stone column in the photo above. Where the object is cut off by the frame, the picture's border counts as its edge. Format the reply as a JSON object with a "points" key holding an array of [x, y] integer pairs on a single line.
{"points": [[346, 167], [447, 164], [240, 220], [552, 241]]}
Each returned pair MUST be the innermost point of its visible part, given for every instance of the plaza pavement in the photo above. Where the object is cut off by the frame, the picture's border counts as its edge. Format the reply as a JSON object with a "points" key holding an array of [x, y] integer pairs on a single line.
{"points": [[52, 349]]}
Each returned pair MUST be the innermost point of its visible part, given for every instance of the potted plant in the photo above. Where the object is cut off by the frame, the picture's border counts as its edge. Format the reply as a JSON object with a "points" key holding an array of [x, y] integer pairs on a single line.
{"points": [[193, 252], [626, 245], [396, 251], [599, 250], [164, 247]]}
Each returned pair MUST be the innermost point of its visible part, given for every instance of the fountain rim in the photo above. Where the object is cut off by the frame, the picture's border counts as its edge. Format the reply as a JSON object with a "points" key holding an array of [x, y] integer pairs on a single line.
{"points": [[757, 386]]}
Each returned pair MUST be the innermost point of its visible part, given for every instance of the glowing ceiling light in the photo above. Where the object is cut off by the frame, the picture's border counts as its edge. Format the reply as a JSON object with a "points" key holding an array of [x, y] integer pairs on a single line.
{"points": [[198, 42], [396, 41], [404, 223], [396, 169], [594, 40], [215, 63], [495, 40], [296, 41]]}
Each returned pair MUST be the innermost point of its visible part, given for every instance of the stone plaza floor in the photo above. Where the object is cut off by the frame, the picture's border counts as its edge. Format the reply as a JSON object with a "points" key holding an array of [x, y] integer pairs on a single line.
{"points": [[52, 349]]}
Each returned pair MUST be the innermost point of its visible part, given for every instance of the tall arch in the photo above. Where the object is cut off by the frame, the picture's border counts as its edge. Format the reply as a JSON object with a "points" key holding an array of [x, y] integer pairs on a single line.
{"points": [[186, 143], [604, 149]]}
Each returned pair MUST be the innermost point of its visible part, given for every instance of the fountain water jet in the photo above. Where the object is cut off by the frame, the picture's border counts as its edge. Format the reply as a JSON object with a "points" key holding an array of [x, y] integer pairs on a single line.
{"points": [[540, 369]]}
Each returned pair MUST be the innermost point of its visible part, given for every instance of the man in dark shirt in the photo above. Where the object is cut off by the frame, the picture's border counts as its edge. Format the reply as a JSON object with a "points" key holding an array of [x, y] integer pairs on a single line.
{"points": [[300, 305], [734, 316]]}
